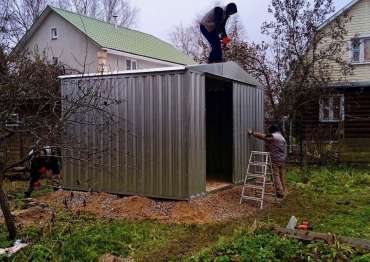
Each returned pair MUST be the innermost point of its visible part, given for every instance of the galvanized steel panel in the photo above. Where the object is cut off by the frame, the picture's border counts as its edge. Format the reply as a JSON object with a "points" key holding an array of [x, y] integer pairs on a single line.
{"points": [[195, 82], [248, 113], [158, 148], [148, 152]]}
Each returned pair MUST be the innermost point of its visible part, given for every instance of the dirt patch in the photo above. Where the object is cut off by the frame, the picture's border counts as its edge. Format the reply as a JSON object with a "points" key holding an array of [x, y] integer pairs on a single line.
{"points": [[33, 213], [217, 207], [33, 216]]}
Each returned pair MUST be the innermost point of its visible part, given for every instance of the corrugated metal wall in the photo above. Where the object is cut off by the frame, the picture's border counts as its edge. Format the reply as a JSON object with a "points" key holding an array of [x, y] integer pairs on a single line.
{"points": [[158, 148], [195, 82], [161, 123], [248, 113]]}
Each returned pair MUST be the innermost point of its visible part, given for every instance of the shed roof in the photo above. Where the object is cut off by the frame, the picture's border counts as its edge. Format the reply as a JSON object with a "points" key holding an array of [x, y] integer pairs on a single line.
{"points": [[228, 70]]}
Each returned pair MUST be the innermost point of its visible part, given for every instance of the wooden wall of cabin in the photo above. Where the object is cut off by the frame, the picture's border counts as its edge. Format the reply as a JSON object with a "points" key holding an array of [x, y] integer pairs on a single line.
{"points": [[355, 145], [352, 134]]}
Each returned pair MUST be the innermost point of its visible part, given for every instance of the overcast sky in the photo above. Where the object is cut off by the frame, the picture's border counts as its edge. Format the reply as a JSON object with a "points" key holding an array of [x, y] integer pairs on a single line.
{"points": [[158, 17]]}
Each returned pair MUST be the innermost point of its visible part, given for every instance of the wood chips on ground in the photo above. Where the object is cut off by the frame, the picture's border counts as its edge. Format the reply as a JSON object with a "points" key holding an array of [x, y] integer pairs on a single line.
{"points": [[216, 207]]}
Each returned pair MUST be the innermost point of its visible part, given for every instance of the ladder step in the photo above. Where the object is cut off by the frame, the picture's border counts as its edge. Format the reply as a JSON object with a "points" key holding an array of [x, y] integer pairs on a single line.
{"points": [[258, 164], [256, 175], [252, 198], [253, 186], [259, 153]]}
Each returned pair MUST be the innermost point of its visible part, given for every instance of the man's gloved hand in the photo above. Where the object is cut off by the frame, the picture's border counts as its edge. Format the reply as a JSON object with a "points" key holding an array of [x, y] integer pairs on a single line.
{"points": [[225, 40], [250, 132]]}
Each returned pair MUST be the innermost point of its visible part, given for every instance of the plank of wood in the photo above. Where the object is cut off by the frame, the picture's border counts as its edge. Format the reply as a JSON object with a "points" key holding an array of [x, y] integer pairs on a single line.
{"points": [[329, 238]]}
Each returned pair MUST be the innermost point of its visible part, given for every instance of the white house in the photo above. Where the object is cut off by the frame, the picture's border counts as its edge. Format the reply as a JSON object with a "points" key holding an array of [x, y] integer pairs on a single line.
{"points": [[88, 45]]}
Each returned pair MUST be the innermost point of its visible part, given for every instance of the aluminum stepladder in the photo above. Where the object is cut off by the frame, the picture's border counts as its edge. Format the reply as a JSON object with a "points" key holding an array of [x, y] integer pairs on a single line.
{"points": [[259, 174]]}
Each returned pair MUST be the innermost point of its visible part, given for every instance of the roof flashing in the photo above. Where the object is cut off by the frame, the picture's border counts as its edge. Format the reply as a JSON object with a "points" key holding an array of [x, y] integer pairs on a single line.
{"points": [[228, 70]]}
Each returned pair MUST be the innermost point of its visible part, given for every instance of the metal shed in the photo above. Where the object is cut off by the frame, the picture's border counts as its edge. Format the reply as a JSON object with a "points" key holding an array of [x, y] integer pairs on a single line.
{"points": [[189, 124]]}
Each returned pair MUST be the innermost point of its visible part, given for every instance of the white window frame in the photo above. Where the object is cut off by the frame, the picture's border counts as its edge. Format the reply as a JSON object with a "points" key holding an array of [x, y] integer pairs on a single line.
{"points": [[14, 120], [55, 60], [361, 50], [53, 35], [131, 62], [331, 109]]}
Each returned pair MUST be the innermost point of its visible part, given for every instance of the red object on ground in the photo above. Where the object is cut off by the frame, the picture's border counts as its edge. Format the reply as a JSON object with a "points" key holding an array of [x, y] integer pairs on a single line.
{"points": [[305, 225], [225, 40], [37, 185], [43, 170]]}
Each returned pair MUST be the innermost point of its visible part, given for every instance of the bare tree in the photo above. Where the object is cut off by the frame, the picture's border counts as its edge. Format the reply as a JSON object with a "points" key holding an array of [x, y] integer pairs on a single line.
{"points": [[189, 40], [33, 106], [25, 13], [16, 17], [121, 10], [297, 65], [85, 7]]}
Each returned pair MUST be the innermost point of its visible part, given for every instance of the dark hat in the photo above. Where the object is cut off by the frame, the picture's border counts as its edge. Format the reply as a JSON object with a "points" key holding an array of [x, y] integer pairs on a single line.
{"points": [[273, 129], [231, 9]]}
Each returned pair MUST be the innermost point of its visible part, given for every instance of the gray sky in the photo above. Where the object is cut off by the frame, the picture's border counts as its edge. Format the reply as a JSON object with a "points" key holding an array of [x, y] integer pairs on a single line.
{"points": [[157, 17]]}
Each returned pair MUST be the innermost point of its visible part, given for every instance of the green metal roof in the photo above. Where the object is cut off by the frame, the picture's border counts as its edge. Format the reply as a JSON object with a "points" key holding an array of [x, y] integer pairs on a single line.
{"points": [[123, 39]]}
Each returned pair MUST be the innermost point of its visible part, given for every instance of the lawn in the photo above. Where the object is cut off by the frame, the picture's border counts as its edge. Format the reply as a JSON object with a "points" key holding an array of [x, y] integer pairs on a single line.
{"points": [[335, 200]]}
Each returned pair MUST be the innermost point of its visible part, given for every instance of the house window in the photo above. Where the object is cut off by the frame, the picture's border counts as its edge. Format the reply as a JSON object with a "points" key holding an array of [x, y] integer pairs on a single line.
{"points": [[367, 50], [131, 64], [54, 33], [55, 60], [13, 120], [360, 50], [332, 108]]}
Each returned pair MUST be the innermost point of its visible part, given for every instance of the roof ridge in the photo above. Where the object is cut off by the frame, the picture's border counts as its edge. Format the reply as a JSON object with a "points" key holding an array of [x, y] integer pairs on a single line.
{"points": [[338, 13], [102, 21]]}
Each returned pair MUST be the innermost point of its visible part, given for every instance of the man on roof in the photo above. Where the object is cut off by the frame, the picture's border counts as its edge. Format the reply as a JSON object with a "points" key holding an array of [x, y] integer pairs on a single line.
{"points": [[212, 27]]}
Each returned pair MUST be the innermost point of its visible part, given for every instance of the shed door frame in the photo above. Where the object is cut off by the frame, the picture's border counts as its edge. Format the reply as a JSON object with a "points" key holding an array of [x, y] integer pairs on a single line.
{"points": [[224, 169]]}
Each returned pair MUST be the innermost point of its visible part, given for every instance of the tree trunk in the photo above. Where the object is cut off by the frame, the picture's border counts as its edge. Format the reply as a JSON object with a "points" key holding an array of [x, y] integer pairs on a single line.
{"points": [[8, 217]]}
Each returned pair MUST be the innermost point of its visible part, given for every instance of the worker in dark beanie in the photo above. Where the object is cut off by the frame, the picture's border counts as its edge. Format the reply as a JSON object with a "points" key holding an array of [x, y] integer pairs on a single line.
{"points": [[212, 27], [41, 163], [277, 147]]}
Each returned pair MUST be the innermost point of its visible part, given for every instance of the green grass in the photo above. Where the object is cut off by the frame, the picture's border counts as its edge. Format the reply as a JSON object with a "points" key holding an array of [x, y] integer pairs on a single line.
{"points": [[15, 191], [335, 200], [83, 238], [263, 245]]}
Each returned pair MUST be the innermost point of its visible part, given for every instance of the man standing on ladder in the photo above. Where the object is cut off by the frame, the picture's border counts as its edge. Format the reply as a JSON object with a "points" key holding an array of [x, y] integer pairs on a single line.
{"points": [[277, 147], [212, 27]]}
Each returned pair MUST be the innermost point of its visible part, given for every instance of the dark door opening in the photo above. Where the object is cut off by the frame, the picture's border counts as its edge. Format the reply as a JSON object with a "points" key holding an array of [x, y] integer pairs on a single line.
{"points": [[219, 133]]}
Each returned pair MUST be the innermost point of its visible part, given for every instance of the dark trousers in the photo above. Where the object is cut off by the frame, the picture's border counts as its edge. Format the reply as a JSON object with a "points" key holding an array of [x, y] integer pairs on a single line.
{"points": [[34, 177], [215, 56]]}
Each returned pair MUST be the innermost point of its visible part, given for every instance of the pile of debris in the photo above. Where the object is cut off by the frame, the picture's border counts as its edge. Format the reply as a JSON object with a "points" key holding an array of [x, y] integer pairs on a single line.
{"points": [[220, 206]]}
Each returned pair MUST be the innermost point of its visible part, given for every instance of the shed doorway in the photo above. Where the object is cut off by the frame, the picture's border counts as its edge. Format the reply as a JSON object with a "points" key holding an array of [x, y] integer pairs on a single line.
{"points": [[219, 133]]}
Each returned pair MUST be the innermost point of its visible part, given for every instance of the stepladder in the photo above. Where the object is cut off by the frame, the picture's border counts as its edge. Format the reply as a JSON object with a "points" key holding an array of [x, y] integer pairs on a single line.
{"points": [[258, 177]]}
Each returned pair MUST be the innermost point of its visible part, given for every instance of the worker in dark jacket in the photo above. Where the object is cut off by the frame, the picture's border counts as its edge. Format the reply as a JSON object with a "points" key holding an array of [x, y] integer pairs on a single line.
{"points": [[212, 27], [40, 163]]}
